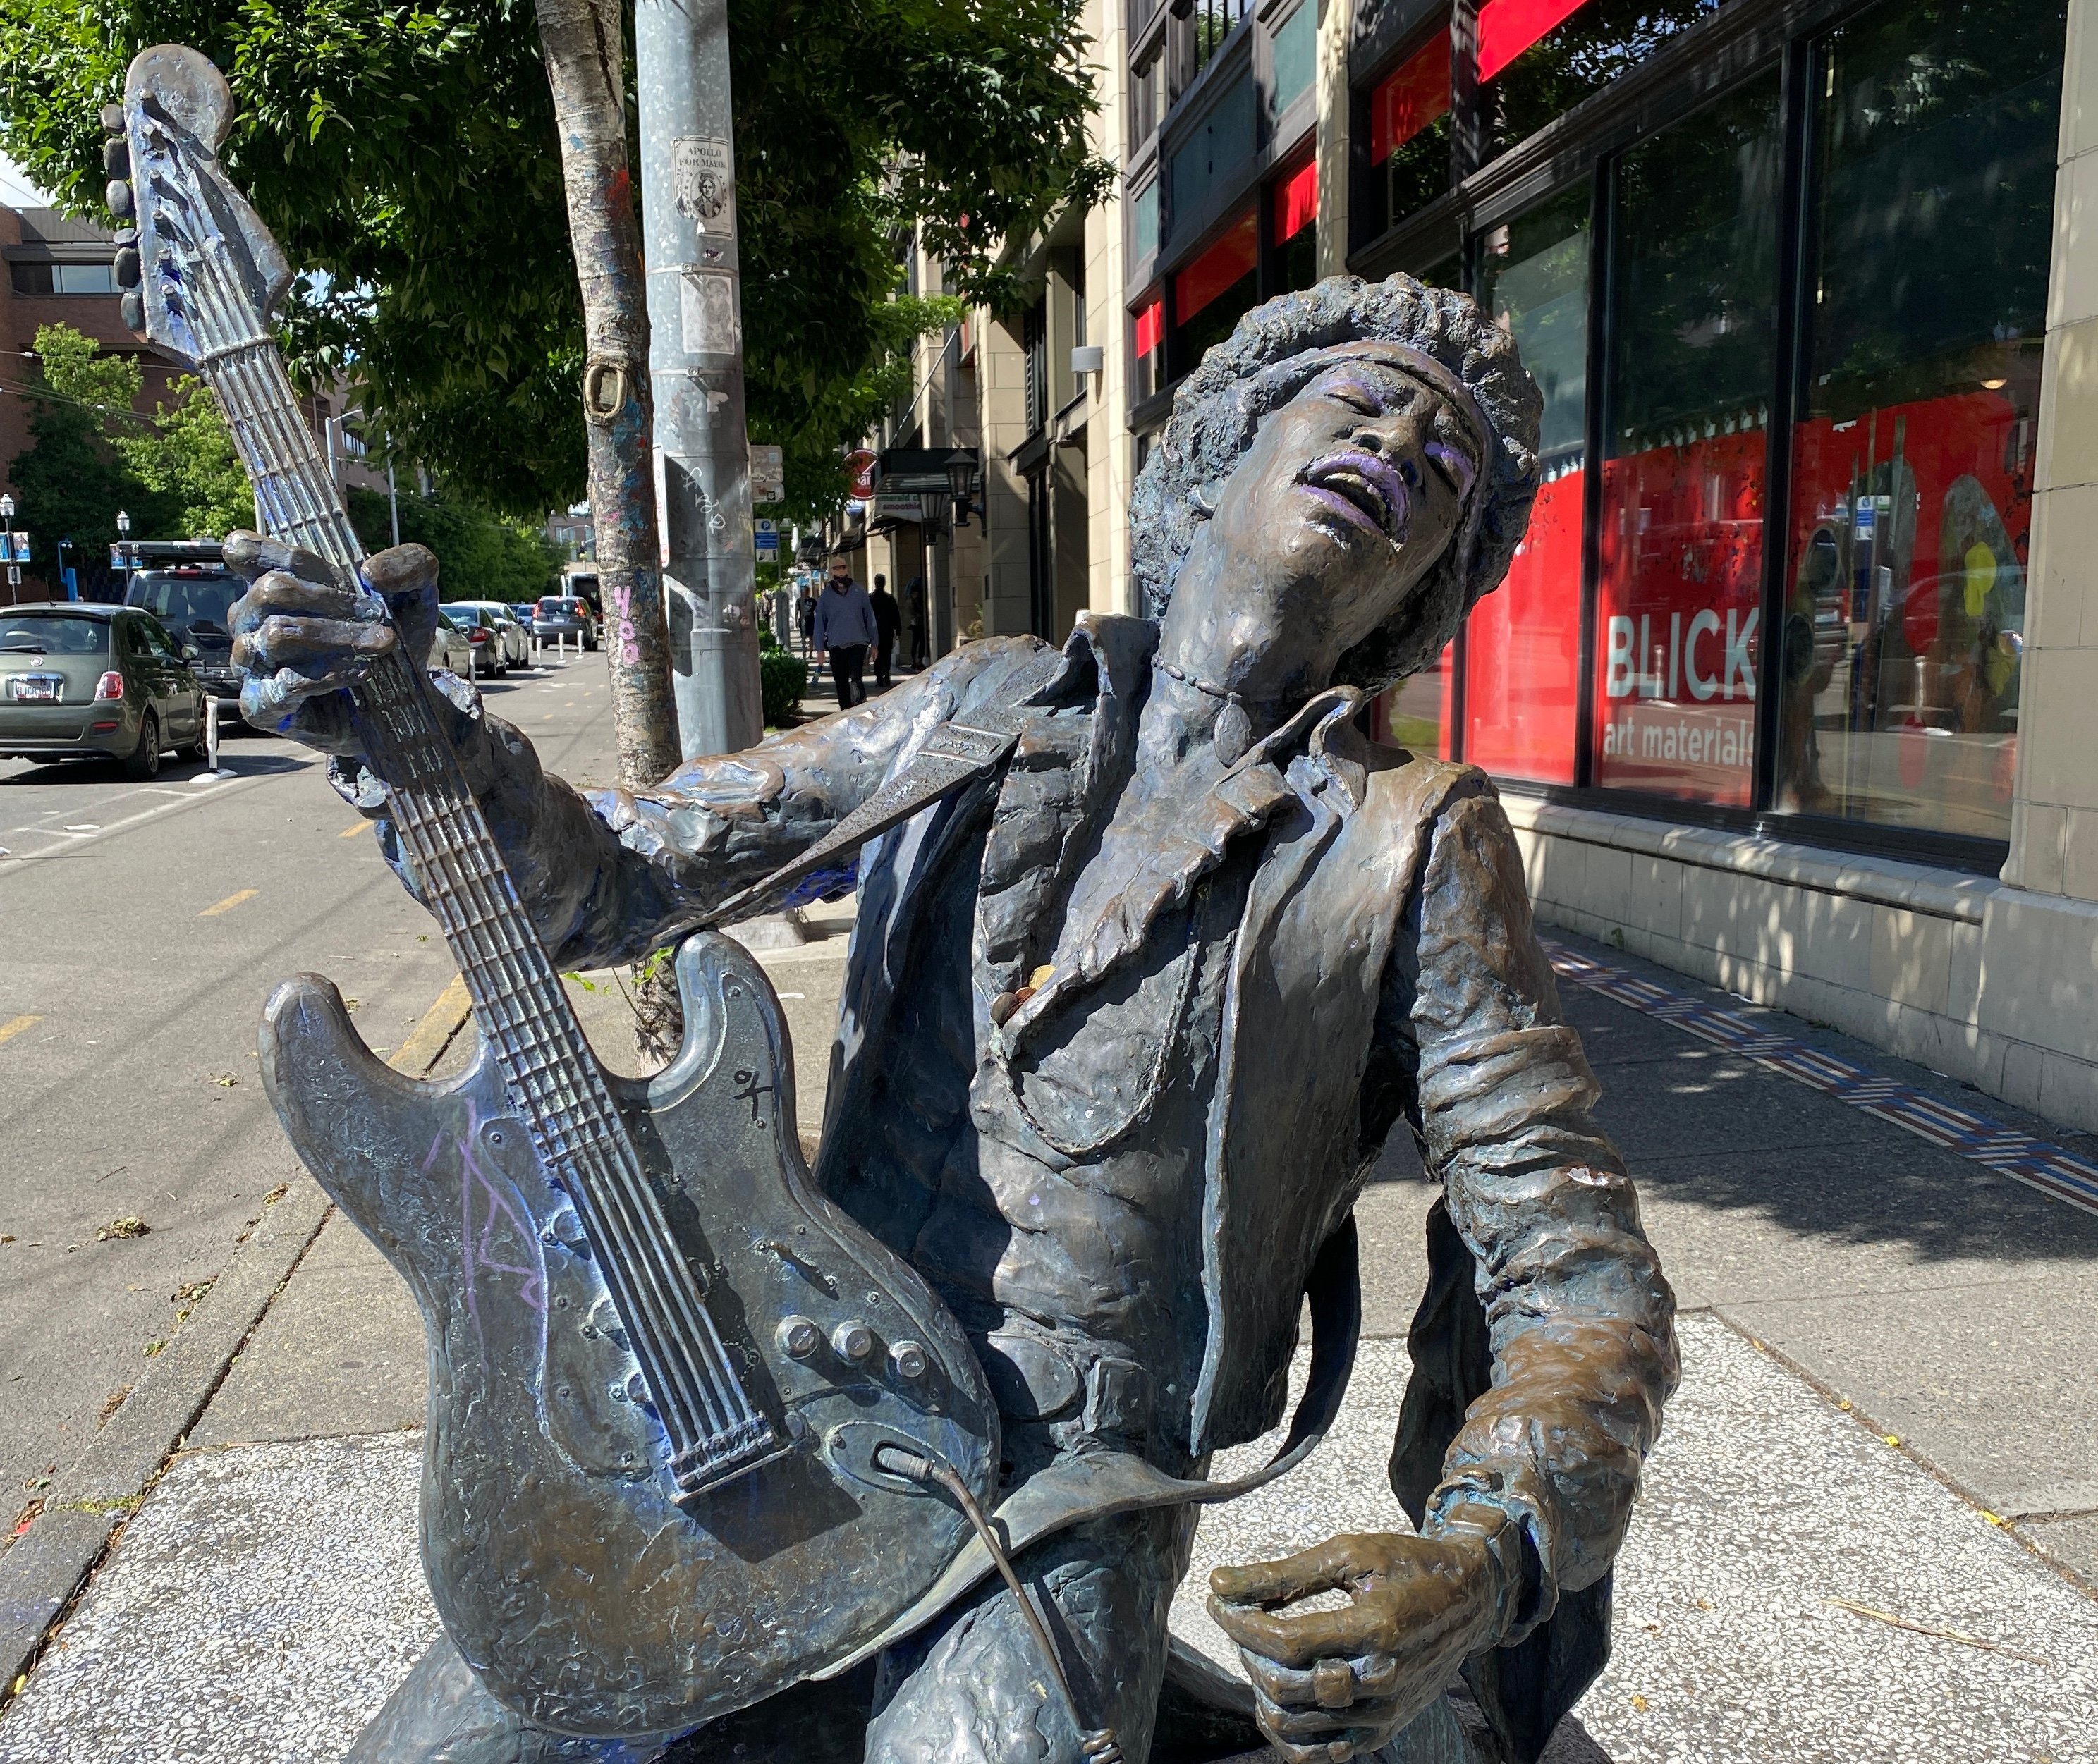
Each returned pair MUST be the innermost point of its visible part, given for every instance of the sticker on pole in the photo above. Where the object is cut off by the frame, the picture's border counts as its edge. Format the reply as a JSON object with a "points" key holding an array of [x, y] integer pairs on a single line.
{"points": [[707, 302], [768, 473], [704, 169]]}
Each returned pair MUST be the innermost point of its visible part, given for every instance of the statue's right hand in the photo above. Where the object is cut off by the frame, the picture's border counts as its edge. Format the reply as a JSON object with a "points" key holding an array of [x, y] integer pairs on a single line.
{"points": [[300, 639]]}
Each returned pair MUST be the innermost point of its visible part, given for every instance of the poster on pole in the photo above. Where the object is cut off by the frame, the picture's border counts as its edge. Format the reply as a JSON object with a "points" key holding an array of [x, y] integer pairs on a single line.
{"points": [[768, 474]]}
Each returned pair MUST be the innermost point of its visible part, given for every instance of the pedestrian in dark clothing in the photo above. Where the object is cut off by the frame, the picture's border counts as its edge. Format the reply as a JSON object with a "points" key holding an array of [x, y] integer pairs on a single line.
{"points": [[887, 621], [844, 631], [915, 595]]}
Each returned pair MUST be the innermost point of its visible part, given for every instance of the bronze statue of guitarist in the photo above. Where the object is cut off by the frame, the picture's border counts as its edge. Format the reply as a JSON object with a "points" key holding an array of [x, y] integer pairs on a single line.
{"points": [[1126, 1019]]}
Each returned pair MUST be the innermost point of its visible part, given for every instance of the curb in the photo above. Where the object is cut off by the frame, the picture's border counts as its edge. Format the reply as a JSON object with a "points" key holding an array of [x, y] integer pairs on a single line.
{"points": [[49, 1565]]}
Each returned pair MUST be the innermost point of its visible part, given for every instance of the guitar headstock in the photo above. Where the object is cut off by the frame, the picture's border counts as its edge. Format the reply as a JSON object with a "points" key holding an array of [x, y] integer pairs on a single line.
{"points": [[201, 272]]}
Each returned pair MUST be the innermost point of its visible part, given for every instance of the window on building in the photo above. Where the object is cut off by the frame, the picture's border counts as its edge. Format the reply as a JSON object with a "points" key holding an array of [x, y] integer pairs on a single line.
{"points": [[1296, 200], [1143, 221], [1522, 644], [1035, 345], [1213, 22], [1929, 220], [1692, 362], [1539, 58], [1214, 291], [1148, 332], [1293, 56], [1147, 100], [31, 278], [1409, 136], [1214, 151]]}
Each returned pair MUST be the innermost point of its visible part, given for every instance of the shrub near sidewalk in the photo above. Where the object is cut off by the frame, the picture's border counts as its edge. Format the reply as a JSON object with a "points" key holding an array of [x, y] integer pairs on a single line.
{"points": [[783, 678]]}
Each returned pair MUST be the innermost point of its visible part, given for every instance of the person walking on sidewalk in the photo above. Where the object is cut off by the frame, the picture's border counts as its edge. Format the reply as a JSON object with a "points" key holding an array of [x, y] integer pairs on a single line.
{"points": [[844, 631], [914, 596], [888, 622]]}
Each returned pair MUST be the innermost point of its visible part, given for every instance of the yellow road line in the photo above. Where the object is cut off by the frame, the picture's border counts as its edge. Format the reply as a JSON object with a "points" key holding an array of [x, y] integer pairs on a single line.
{"points": [[351, 832], [14, 1026], [430, 1037], [229, 903]]}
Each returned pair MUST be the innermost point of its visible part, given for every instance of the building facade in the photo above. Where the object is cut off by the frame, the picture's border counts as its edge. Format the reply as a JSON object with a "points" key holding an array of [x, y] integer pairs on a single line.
{"points": [[1792, 686]]}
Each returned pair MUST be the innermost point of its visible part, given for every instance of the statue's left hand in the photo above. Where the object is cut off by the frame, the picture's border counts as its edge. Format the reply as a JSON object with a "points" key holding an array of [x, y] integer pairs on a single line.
{"points": [[1336, 1685]]}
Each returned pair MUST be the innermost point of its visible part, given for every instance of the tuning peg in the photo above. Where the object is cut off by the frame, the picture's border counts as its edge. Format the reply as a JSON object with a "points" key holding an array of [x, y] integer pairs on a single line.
{"points": [[112, 119], [116, 156], [132, 308], [118, 199], [126, 266]]}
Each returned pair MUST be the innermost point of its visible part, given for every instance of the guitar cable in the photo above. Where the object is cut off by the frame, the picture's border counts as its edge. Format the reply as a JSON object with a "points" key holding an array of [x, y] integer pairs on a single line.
{"points": [[1098, 1744]]}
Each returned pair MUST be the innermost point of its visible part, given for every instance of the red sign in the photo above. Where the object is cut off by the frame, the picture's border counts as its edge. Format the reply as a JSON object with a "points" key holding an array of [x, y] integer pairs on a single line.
{"points": [[1222, 266], [1415, 96], [1297, 202], [1508, 27], [861, 466]]}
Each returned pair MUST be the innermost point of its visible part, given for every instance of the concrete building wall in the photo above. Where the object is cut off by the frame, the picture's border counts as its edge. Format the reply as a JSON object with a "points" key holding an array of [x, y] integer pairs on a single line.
{"points": [[1110, 455], [1002, 399]]}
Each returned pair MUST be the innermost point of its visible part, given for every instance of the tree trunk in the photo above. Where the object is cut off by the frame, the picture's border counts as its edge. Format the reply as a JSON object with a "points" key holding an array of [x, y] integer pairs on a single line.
{"points": [[584, 66]]}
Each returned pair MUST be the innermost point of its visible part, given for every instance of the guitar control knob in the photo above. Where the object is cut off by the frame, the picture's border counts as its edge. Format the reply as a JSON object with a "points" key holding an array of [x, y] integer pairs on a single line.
{"points": [[906, 1359], [853, 1341], [798, 1337]]}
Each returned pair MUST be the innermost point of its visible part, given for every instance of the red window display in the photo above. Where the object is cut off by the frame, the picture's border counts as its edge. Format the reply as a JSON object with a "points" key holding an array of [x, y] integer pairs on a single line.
{"points": [[1219, 270], [1508, 27], [1150, 346], [1522, 642], [1296, 202], [1414, 97], [1677, 617]]}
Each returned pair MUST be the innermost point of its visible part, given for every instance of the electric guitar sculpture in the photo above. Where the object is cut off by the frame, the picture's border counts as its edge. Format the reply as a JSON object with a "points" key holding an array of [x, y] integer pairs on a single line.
{"points": [[661, 1364]]}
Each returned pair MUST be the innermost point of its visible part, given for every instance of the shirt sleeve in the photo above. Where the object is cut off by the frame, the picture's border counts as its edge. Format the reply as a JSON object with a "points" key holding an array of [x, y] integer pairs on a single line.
{"points": [[608, 875], [1579, 1316]]}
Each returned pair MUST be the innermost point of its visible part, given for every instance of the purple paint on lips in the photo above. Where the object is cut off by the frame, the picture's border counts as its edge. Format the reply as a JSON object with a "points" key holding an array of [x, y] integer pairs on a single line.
{"points": [[1372, 469]]}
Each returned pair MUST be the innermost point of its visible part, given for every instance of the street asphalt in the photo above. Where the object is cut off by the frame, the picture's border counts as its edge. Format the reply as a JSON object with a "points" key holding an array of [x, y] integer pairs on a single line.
{"points": [[1870, 1532], [145, 926]]}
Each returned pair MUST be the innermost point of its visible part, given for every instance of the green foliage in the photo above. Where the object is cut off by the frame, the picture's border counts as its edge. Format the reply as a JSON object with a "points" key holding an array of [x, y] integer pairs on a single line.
{"points": [[480, 555], [405, 150], [175, 473], [783, 678]]}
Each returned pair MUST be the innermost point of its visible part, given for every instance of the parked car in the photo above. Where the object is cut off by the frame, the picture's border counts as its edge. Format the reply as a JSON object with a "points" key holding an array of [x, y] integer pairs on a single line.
{"points": [[500, 617], [454, 649], [82, 679], [482, 635], [559, 617], [191, 600]]}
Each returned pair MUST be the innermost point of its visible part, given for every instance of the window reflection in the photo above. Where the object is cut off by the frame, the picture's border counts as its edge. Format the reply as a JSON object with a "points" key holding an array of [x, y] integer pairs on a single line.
{"points": [[1532, 66], [1692, 358], [1409, 135], [1521, 655], [1930, 221]]}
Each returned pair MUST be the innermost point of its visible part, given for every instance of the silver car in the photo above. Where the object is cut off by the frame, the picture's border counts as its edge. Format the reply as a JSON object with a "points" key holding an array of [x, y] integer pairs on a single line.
{"points": [[510, 631], [453, 650], [80, 679]]}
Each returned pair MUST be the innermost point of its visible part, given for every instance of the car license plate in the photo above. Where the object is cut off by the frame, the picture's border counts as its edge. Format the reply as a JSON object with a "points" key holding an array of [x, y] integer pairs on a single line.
{"points": [[36, 688]]}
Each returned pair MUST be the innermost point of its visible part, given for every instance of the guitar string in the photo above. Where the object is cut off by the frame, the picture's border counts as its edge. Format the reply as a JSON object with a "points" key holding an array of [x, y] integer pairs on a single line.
{"points": [[574, 1111]]}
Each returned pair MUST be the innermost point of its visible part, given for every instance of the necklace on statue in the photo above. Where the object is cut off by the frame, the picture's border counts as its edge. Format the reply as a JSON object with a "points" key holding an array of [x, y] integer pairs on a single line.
{"points": [[1233, 734]]}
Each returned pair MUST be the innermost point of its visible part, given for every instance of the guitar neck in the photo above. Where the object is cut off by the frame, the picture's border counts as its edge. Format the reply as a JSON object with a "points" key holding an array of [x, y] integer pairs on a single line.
{"points": [[520, 1004]]}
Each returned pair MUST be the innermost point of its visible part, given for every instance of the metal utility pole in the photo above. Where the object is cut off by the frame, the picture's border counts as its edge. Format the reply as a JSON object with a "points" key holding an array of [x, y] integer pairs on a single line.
{"points": [[696, 365]]}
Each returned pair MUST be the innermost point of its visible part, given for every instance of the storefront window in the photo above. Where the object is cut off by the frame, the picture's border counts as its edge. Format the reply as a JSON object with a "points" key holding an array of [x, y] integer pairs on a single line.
{"points": [[1149, 373], [1218, 289], [1409, 137], [1692, 360], [1930, 221], [1522, 647], [1539, 58], [1297, 228], [1294, 55]]}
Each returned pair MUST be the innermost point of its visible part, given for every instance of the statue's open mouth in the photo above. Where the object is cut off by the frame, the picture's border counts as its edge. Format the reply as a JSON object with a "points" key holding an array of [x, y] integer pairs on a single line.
{"points": [[1364, 488]]}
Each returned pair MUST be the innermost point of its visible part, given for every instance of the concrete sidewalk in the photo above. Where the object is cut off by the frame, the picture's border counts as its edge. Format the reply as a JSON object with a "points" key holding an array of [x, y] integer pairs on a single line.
{"points": [[1859, 1538]]}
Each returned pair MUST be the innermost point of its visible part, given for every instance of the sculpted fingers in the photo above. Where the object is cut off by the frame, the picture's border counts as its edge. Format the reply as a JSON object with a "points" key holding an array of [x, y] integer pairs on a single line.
{"points": [[325, 652], [1324, 1568], [1300, 1640], [278, 591], [1329, 1684], [251, 555]]}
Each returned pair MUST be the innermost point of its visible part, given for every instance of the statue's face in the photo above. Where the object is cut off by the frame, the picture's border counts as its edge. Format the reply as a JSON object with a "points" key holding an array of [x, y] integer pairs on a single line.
{"points": [[1348, 496]]}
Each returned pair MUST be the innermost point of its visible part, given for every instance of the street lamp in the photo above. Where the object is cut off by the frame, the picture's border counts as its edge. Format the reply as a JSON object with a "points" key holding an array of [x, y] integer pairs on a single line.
{"points": [[124, 549], [961, 486]]}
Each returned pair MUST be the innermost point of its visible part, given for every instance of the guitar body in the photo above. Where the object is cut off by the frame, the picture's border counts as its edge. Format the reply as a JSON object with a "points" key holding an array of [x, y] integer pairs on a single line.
{"points": [[585, 1596]]}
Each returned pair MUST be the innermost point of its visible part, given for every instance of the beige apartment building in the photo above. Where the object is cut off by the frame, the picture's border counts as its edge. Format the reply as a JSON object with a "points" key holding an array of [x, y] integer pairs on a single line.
{"points": [[1794, 687]]}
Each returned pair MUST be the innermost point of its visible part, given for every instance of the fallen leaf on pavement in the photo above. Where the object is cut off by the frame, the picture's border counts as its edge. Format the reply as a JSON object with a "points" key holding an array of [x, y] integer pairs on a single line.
{"points": [[1941, 1634], [129, 1226]]}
